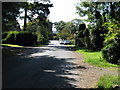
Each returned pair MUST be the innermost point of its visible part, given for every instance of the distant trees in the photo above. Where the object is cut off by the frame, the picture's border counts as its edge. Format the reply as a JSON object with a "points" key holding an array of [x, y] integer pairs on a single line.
{"points": [[65, 30]]}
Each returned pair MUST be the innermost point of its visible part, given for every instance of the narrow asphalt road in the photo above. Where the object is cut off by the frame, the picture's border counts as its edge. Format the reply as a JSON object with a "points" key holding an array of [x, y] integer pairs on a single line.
{"points": [[51, 66]]}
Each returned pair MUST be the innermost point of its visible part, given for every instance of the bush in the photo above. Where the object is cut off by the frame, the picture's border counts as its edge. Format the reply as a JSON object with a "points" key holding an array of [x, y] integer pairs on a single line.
{"points": [[80, 36], [23, 38], [107, 81], [112, 42], [111, 51], [96, 39], [10, 37], [26, 38], [4, 35], [80, 42]]}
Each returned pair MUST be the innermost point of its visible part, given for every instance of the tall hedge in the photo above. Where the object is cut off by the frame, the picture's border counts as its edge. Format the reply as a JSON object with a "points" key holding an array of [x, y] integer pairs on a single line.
{"points": [[80, 36], [96, 38]]}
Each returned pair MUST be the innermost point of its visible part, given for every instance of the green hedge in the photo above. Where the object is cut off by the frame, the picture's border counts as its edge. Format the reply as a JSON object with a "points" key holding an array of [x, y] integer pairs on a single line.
{"points": [[96, 39], [26, 38], [23, 38]]}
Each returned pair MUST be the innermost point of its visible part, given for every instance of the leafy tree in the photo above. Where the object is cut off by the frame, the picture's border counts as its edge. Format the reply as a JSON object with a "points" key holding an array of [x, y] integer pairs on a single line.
{"points": [[59, 25], [43, 33], [10, 11], [112, 42], [65, 30], [98, 14], [36, 9]]}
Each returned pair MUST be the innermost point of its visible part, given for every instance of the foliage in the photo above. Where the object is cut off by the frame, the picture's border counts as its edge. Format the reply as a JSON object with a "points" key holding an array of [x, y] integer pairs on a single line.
{"points": [[43, 33], [97, 15], [107, 81], [55, 36], [96, 38], [23, 38], [80, 36], [59, 25], [26, 38], [10, 12], [35, 9], [65, 30], [112, 42], [10, 37], [4, 35]]}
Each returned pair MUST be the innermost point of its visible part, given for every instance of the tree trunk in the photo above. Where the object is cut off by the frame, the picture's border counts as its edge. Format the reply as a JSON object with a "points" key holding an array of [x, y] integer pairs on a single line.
{"points": [[112, 10], [25, 20]]}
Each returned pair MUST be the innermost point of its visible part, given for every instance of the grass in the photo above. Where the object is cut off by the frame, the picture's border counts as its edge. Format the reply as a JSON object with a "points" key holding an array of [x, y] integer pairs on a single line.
{"points": [[11, 45], [94, 58], [107, 81]]}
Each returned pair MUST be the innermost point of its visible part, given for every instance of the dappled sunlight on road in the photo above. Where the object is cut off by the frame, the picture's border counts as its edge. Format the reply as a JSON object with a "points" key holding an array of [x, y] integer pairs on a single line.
{"points": [[49, 66]]}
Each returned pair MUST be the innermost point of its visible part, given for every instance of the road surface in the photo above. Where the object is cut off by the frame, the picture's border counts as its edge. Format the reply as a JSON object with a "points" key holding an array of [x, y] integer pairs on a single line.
{"points": [[51, 66]]}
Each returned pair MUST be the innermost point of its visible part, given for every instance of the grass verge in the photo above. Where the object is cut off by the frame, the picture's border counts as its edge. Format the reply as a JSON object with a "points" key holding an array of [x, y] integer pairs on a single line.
{"points": [[11, 45], [94, 58], [108, 81]]}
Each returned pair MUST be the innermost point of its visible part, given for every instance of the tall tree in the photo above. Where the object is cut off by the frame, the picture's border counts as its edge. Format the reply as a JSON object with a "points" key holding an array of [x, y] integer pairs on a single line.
{"points": [[59, 25], [10, 11], [36, 9]]}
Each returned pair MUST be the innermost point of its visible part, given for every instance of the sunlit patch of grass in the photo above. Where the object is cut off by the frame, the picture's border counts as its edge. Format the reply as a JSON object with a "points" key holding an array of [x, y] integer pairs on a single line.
{"points": [[94, 58], [107, 81], [11, 45]]}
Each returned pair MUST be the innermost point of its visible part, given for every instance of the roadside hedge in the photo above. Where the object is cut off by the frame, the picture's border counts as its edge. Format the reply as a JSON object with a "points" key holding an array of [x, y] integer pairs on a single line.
{"points": [[23, 38]]}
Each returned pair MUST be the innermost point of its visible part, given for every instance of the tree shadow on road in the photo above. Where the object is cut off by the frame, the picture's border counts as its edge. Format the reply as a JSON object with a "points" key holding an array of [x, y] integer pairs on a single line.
{"points": [[39, 72]]}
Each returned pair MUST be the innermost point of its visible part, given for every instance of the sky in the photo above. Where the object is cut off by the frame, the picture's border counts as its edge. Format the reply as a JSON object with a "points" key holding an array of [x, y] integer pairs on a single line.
{"points": [[63, 10]]}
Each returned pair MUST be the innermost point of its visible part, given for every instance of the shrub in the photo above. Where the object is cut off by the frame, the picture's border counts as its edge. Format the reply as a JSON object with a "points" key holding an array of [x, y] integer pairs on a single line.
{"points": [[10, 39], [80, 42], [80, 36], [107, 81], [26, 38], [111, 51], [23, 38], [96, 39], [86, 32], [87, 42], [87, 38], [112, 42], [4, 35]]}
